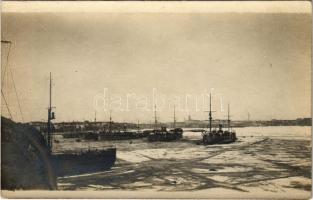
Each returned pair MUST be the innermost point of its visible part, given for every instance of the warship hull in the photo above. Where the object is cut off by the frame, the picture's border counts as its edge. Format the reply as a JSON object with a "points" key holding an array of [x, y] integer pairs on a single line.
{"points": [[165, 136], [67, 164], [121, 136], [216, 138]]}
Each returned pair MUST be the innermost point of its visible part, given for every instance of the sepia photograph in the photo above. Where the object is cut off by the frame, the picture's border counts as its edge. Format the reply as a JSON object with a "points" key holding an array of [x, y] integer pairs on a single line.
{"points": [[156, 99]]}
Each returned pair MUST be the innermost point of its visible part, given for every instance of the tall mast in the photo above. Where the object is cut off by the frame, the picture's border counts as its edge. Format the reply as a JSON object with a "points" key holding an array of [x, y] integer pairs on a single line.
{"points": [[110, 123], [228, 118], [50, 117], [155, 118], [174, 118], [210, 116], [50, 101], [95, 116], [138, 125]]}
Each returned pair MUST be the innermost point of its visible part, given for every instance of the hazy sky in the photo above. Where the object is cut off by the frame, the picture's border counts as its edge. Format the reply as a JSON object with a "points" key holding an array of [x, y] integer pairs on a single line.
{"points": [[259, 63]]}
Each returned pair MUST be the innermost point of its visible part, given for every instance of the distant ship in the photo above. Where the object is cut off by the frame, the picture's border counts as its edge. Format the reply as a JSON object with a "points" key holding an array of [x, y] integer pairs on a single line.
{"points": [[163, 134], [73, 163], [218, 136], [112, 133], [109, 132], [73, 135]]}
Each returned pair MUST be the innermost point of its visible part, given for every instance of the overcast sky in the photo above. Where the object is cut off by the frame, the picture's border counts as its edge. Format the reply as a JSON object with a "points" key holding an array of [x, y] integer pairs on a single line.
{"points": [[259, 63]]}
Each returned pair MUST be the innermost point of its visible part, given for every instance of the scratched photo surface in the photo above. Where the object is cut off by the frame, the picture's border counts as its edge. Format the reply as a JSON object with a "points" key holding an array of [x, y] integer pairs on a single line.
{"points": [[156, 99]]}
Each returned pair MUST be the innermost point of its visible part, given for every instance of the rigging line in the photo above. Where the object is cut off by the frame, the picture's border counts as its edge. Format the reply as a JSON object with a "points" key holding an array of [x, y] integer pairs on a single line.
{"points": [[7, 63], [18, 101], [6, 104]]}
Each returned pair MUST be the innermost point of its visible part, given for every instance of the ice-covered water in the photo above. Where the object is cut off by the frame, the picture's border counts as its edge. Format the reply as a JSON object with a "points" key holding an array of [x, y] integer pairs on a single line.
{"points": [[275, 160], [278, 132]]}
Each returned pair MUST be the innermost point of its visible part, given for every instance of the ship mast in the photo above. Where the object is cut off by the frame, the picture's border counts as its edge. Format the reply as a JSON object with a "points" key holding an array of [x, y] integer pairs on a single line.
{"points": [[50, 117], [110, 123], [210, 116], [138, 125], [155, 118], [174, 118], [228, 118]]}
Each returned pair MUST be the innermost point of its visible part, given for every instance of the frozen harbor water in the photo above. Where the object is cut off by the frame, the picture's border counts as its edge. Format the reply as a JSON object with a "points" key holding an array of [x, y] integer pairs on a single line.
{"points": [[272, 161]]}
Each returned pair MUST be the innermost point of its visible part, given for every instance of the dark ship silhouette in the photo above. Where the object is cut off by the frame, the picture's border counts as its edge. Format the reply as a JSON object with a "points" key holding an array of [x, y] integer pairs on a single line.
{"points": [[218, 136], [73, 163], [163, 134], [110, 131], [114, 134]]}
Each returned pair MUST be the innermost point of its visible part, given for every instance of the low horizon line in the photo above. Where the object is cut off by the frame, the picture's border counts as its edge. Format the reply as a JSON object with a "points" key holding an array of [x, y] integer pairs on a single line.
{"points": [[92, 121]]}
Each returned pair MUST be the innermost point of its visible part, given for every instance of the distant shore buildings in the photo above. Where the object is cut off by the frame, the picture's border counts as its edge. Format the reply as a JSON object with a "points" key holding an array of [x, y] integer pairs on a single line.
{"points": [[189, 123]]}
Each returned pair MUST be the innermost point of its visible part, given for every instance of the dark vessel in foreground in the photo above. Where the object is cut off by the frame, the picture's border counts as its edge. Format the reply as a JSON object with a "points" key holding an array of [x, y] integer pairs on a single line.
{"points": [[218, 136], [163, 134], [74, 163]]}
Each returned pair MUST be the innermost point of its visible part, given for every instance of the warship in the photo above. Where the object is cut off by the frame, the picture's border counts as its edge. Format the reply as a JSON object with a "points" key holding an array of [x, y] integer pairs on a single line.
{"points": [[73, 135], [163, 134], [111, 133], [76, 162], [86, 161], [218, 136]]}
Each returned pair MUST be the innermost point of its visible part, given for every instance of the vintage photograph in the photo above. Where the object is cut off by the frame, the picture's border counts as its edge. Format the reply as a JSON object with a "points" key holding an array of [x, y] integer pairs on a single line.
{"points": [[156, 99]]}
